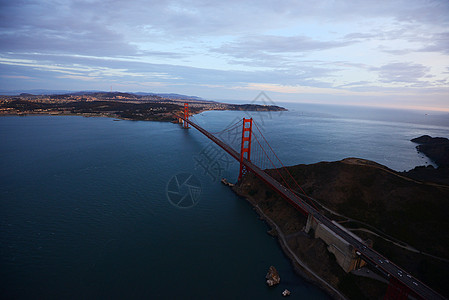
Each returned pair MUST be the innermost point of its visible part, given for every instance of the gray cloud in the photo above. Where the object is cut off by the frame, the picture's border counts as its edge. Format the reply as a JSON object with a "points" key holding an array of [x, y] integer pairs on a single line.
{"points": [[361, 36], [284, 54], [396, 51], [437, 43], [355, 84], [419, 37], [277, 44], [187, 19], [402, 72], [108, 26], [52, 26], [307, 74], [99, 42]]}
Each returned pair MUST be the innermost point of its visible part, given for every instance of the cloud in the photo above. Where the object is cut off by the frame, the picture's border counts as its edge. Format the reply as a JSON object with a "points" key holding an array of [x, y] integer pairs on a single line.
{"points": [[86, 71], [437, 43], [158, 54], [277, 44], [355, 84], [416, 41], [141, 20], [91, 40], [402, 72], [302, 90], [16, 77], [284, 55]]}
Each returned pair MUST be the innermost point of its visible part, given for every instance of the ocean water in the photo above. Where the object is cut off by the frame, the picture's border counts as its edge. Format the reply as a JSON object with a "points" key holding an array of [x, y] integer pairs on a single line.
{"points": [[90, 207]]}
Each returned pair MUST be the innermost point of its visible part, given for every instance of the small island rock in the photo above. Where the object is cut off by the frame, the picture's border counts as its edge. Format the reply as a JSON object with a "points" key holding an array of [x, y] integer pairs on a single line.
{"points": [[272, 276]]}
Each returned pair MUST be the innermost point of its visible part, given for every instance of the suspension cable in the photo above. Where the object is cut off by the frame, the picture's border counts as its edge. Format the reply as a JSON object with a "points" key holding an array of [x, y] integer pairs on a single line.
{"points": [[285, 168], [229, 128]]}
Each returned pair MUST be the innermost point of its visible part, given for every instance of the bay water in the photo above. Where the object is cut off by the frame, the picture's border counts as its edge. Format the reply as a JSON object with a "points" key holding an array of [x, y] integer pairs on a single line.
{"points": [[90, 207]]}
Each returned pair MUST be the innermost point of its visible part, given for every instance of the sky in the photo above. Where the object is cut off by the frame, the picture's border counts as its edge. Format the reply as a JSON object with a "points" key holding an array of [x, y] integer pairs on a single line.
{"points": [[389, 53]]}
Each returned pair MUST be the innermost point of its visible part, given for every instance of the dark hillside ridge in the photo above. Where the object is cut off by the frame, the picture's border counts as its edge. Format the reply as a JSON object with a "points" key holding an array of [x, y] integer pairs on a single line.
{"points": [[364, 190], [371, 197]]}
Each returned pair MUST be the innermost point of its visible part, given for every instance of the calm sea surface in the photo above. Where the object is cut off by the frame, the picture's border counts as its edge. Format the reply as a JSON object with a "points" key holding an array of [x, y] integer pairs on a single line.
{"points": [[88, 206]]}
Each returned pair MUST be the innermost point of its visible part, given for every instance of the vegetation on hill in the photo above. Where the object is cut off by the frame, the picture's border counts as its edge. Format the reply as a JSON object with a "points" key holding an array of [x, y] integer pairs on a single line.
{"points": [[402, 207], [401, 213]]}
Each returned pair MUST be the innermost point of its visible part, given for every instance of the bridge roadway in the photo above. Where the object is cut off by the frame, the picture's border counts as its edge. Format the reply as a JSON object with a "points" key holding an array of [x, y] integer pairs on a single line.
{"points": [[372, 257]]}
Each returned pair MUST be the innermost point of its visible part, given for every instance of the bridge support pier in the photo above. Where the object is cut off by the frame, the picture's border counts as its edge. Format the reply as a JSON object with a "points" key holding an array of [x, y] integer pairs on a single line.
{"points": [[345, 254], [246, 145]]}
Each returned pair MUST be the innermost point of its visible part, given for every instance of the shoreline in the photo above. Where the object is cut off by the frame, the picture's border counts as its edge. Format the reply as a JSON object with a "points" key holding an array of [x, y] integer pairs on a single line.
{"points": [[85, 115], [114, 116], [125, 110], [299, 266]]}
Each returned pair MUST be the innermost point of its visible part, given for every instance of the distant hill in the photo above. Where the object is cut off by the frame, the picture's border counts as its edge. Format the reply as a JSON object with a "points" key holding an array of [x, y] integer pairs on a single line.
{"points": [[107, 94], [172, 96], [33, 92]]}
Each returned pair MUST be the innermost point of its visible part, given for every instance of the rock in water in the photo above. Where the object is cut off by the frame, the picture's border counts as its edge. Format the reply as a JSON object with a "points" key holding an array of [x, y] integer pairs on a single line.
{"points": [[286, 293], [272, 276]]}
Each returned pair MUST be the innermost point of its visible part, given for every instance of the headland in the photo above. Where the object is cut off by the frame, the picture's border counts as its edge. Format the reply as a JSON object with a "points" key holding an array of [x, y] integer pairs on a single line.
{"points": [[123, 106], [404, 217]]}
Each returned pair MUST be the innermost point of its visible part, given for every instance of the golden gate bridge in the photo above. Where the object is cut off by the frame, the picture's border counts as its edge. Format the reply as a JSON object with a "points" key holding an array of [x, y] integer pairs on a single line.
{"points": [[255, 154]]}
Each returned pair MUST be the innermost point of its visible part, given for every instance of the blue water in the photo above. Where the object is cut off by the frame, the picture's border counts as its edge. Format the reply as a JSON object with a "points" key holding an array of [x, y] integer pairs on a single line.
{"points": [[309, 133], [85, 210]]}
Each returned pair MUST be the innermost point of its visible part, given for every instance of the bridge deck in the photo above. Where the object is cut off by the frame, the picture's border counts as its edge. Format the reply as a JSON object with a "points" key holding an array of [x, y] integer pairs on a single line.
{"points": [[367, 254]]}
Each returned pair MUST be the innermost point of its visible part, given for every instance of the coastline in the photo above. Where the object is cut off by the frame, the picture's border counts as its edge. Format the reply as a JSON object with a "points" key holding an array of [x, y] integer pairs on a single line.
{"points": [[148, 111], [299, 266], [84, 115]]}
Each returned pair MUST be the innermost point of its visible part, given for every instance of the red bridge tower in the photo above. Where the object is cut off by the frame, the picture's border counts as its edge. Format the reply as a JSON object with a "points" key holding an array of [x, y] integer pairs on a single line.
{"points": [[246, 145], [186, 115]]}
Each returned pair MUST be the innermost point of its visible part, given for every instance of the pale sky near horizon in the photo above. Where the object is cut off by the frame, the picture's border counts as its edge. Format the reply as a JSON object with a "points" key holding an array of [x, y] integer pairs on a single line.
{"points": [[390, 53]]}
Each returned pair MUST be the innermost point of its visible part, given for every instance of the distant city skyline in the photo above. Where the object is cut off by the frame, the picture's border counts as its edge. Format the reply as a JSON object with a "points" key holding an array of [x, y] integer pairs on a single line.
{"points": [[370, 53]]}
